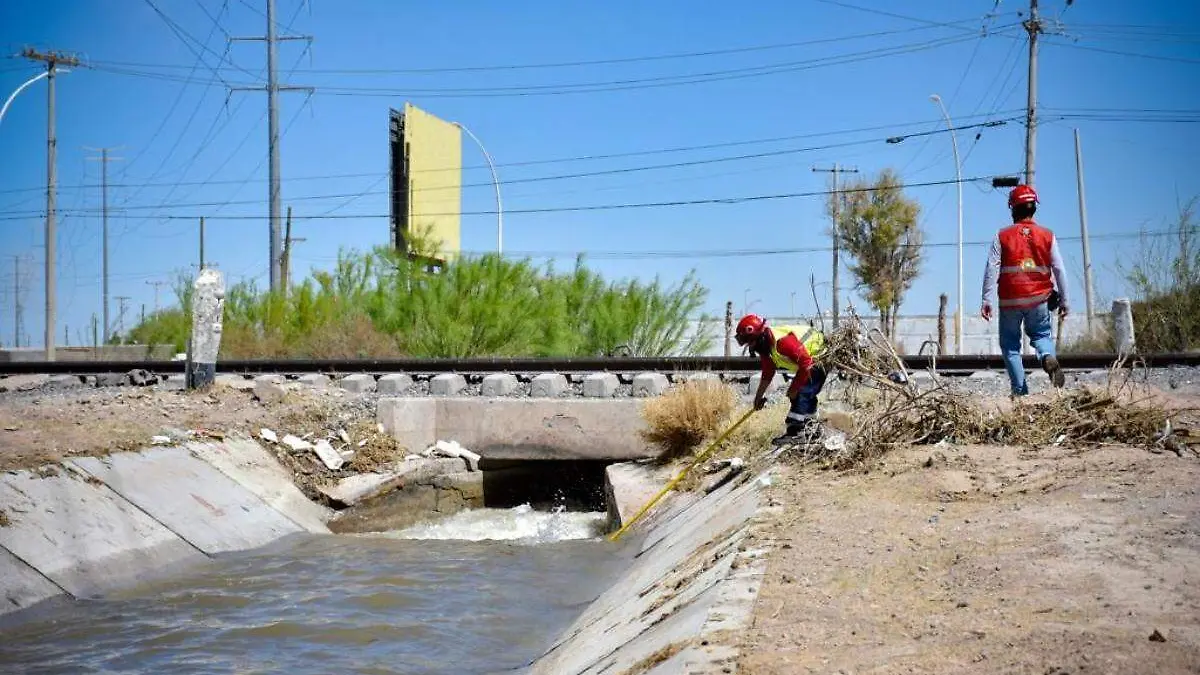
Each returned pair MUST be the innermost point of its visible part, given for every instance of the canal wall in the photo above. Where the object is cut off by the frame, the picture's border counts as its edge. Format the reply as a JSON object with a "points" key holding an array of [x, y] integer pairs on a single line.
{"points": [[91, 525], [693, 581]]}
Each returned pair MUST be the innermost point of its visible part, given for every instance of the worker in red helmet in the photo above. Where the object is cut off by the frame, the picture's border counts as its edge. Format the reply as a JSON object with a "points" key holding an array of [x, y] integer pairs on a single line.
{"points": [[792, 348], [1026, 271]]}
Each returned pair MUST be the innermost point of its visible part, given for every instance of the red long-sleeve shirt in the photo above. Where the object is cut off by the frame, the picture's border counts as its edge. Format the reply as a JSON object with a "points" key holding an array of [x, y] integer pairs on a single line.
{"points": [[793, 350]]}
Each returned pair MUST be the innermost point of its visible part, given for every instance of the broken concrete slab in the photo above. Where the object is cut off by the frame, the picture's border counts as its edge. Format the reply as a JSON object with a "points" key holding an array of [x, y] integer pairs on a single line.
{"points": [[140, 377], [453, 449], [548, 385], [358, 383], [703, 376], [64, 382], [270, 388], [169, 484], [82, 535], [447, 384], [600, 385], [394, 383], [649, 384], [246, 462], [332, 459], [498, 384], [364, 486]]}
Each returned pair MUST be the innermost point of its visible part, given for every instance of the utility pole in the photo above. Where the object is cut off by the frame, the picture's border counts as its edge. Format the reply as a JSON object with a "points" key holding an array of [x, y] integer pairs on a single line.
{"points": [[837, 204], [95, 336], [122, 299], [1083, 231], [104, 160], [288, 240], [19, 310], [1033, 26], [52, 61], [201, 243], [156, 284], [273, 88]]}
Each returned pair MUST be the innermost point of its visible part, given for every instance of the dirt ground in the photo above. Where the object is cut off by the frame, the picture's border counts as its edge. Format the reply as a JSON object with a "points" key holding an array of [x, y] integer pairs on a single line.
{"points": [[984, 560], [40, 426]]}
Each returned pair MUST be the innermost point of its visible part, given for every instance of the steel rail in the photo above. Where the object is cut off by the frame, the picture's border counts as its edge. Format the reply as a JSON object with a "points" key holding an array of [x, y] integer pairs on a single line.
{"points": [[945, 364]]}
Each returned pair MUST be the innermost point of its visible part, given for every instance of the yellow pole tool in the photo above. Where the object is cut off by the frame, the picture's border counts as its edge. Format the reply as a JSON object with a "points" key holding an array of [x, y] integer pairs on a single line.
{"points": [[699, 458]]}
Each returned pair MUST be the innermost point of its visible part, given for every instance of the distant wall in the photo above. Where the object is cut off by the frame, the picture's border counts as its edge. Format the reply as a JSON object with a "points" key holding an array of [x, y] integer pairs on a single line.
{"points": [[979, 336], [105, 353]]}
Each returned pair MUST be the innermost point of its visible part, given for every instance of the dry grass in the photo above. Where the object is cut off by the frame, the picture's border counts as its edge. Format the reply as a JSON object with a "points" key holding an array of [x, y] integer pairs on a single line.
{"points": [[682, 418], [657, 657], [380, 448], [5, 521], [890, 415]]}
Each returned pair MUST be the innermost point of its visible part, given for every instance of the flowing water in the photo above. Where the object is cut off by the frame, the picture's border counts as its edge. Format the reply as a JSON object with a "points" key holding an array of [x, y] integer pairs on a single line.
{"points": [[484, 591]]}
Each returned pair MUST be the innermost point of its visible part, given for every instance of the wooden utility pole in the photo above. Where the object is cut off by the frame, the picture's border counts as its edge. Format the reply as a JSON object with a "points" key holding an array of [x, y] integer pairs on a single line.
{"points": [[837, 245], [728, 326], [52, 61], [156, 284], [273, 88], [288, 240], [201, 243], [104, 160]]}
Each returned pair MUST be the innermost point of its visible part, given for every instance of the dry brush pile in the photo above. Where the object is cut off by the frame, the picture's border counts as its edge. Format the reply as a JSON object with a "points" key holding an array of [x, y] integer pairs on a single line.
{"points": [[891, 413]]}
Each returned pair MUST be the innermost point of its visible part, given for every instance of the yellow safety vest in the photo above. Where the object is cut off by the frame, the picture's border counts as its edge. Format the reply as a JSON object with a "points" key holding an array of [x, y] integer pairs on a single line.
{"points": [[812, 339]]}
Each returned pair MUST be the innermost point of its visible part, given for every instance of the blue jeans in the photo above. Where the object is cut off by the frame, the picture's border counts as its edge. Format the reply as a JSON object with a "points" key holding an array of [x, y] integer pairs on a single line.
{"points": [[805, 406], [1037, 327]]}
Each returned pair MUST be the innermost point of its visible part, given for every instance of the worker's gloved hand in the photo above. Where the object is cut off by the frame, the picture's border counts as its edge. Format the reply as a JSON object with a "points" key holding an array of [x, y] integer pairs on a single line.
{"points": [[760, 402], [986, 311]]}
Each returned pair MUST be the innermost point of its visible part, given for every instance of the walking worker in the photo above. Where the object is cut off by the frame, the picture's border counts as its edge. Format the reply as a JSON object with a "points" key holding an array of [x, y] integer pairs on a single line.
{"points": [[792, 348], [1018, 269]]}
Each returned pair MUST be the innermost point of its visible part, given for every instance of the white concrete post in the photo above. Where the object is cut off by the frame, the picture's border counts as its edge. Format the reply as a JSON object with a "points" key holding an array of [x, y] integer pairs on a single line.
{"points": [[1122, 317], [208, 305]]}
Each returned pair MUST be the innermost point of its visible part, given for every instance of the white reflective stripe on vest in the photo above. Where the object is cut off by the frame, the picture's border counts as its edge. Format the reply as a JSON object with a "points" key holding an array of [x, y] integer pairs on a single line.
{"points": [[1017, 270]]}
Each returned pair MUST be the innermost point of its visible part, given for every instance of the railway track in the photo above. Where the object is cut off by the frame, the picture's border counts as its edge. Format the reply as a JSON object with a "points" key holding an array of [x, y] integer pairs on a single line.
{"points": [[945, 364]]}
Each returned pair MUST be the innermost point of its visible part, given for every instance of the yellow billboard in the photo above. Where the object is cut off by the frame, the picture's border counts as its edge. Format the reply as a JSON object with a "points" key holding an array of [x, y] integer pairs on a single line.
{"points": [[426, 182]]}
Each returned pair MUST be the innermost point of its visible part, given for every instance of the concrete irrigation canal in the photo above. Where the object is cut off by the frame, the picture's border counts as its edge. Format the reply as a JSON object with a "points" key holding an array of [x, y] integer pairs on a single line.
{"points": [[214, 552], [458, 525]]}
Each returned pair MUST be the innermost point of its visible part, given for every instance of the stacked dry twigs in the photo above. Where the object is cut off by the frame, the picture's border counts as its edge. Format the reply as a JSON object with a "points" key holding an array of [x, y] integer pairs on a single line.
{"points": [[897, 411]]}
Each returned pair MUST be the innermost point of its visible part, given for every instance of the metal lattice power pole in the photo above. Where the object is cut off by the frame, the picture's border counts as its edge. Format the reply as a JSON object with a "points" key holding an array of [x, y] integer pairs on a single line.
{"points": [[52, 61], [273, 88], [121, 300], [104, 159], [837, 239]]}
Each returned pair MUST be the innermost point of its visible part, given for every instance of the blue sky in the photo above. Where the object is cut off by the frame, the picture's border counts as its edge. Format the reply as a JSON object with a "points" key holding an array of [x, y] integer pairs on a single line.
{"points": [[848, 74]]}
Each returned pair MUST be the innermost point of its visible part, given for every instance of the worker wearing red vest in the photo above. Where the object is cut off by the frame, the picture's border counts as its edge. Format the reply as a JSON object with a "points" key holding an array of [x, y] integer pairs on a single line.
{"points": [[791, 348], [1020, 263]]}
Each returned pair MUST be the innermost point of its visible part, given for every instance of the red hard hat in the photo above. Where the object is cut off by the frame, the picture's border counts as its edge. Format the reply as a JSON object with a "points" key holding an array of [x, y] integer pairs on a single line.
{"points": [[1022, 194], [750, 328]]}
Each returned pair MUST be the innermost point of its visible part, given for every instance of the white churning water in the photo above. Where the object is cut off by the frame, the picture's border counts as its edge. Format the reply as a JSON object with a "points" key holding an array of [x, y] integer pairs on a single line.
{"points": [[520, 523]]}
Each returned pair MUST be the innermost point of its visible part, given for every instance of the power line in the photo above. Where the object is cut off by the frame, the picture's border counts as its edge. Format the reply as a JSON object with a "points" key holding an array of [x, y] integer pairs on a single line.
{"points": [[622, 170], [573, 64], [592, 207], [617, 85], [562, 160]]}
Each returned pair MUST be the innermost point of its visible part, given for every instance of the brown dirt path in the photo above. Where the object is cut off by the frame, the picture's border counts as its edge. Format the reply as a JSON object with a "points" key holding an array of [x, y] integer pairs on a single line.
{"points": [[989, 560]]}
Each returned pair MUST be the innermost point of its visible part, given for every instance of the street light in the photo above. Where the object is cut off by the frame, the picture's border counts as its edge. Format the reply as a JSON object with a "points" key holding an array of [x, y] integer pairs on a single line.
{"points": [[21, 88], [496, 185], [958, 313]]}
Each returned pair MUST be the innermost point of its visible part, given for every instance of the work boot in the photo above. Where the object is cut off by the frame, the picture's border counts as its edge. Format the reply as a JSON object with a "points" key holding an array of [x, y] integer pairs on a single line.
{"points": [[799, 432], [1054, 370]]}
